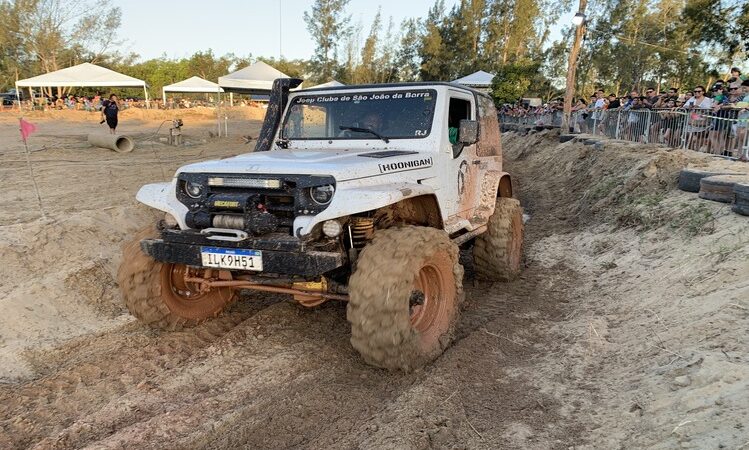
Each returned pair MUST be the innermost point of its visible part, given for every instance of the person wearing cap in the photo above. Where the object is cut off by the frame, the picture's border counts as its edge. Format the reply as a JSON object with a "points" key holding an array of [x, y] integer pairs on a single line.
{"points": [[718, 92], [614, 102]]}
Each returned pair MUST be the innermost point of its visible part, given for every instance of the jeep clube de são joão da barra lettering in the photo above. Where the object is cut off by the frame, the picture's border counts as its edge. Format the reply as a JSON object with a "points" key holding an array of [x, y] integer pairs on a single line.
{"points": [[362, 194]]}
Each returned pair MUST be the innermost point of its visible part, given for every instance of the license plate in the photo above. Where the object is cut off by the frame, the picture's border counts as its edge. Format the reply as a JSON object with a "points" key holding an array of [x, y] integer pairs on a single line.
{"points": [[232, 258]]}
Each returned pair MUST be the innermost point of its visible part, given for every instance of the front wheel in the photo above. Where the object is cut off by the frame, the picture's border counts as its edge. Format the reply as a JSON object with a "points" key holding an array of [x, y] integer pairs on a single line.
{"points": [[158, 295], [404, 297]]}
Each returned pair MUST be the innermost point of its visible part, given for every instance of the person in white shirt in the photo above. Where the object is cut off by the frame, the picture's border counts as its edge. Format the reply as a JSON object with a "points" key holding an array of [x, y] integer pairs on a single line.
{"points": [[697, 124], [699, 100]]}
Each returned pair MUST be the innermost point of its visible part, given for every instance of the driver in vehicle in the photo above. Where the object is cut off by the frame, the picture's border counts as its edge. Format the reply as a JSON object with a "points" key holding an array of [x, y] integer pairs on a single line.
{"points": [[372, 121], [370, 124]]}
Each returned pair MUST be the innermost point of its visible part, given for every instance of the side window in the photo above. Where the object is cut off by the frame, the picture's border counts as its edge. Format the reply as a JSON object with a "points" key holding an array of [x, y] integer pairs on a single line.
{"points": [[459, 109], [489, 141]]}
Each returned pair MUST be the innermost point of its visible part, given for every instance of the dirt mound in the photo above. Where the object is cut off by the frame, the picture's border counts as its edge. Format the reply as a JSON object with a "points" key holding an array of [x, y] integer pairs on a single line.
{"points": [[626, 327], [194, 114], [654, 352]]}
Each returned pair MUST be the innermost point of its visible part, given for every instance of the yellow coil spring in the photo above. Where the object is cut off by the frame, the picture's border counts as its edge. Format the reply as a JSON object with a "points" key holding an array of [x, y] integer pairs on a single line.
{"points": [[361, 230]]}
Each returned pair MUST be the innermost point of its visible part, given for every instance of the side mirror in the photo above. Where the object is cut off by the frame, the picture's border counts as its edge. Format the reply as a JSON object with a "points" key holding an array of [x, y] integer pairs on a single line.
{"points": [[468, 133]]}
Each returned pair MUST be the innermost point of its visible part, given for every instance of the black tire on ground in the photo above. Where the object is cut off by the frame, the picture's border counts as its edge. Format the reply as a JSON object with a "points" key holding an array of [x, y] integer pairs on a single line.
{"points": [[497, 253], [404, 297], [719, 188], [689, 179], [741, 198], [156, 294], [566, 137], [742, 209]]}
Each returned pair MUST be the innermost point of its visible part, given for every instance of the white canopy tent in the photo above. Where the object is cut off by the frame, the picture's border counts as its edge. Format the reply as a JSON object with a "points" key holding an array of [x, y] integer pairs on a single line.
{"points": [[192, 85], [196, 85], [331, 83], [254, 79], [83, 75], [480, 80]]}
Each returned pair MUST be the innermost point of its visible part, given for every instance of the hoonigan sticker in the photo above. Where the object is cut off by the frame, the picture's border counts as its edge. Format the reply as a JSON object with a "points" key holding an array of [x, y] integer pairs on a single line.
{"points": [[405, 165]]}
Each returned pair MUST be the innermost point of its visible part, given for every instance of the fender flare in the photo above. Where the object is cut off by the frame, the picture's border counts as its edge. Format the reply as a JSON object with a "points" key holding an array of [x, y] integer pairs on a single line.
{"points": [[348, 201], [162, 196]]}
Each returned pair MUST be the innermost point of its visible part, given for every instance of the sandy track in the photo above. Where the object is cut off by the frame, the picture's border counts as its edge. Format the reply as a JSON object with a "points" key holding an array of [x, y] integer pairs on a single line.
{"points": [[578, 352]]}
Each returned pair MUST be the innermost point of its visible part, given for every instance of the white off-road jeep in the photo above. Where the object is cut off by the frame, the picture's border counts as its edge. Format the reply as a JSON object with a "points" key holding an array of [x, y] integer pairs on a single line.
{"points": [[354, 193]]}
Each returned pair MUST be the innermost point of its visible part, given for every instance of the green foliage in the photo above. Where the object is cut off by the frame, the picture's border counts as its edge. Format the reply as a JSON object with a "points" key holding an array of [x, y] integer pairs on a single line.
{"points": [[513, 81], [629, 44], [327, 24], [408, 54], [635, 44], [47, 35]]}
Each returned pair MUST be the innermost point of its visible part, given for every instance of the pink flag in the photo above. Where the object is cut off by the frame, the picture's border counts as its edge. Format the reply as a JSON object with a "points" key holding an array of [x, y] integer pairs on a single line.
{"points": [[26, 129]]}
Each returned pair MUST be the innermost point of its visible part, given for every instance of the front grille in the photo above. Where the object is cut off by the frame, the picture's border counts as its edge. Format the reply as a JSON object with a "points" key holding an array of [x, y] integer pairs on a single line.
{"points": [[256, 210]]}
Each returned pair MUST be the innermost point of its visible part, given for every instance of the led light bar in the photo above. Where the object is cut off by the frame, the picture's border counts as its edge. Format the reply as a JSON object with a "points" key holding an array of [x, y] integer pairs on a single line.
{"points": [[245, 183]]}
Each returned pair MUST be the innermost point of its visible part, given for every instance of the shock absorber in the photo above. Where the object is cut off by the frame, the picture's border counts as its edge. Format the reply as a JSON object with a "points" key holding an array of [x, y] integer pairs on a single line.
{"points": [[361, 230]]}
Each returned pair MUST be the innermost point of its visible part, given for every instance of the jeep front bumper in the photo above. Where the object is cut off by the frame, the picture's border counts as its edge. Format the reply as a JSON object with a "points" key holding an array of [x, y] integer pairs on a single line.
{"points": [[285, 256]]}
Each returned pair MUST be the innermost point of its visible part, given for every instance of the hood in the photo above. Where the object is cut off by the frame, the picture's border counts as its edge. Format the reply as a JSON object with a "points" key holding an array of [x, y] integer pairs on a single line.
{"points": [[341, 164]]}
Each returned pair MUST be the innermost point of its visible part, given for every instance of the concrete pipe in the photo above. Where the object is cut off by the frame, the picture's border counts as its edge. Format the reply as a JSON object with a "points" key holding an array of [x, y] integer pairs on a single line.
{"points": [[116, 142]]}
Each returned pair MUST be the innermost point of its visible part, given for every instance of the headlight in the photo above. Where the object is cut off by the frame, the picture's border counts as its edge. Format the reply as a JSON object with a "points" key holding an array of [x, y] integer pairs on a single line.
{"points": [[331, 228], [193, 190], [322, 194]]}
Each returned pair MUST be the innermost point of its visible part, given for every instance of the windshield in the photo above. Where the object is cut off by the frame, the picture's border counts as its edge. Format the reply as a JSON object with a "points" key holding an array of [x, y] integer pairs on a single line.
{"points": [[362, 115]]}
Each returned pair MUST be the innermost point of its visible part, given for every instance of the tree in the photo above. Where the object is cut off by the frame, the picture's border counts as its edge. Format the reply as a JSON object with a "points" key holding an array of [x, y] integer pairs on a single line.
{"points": [[513, 80], [407, 59], [366, 72], [327, 24], [435, 60], [47, 35], [463, 32]]}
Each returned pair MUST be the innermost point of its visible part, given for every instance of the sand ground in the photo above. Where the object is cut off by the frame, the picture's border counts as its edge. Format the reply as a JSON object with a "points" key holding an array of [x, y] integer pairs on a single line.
{"points": [[628, 328]]}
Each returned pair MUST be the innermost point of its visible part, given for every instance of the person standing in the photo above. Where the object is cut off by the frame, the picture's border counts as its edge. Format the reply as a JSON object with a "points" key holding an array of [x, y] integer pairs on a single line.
{"points": [[109, 111]]}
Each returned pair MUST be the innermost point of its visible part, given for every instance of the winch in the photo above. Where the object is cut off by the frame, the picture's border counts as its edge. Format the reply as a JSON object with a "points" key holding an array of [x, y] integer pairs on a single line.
{"points": [[244, 211]]}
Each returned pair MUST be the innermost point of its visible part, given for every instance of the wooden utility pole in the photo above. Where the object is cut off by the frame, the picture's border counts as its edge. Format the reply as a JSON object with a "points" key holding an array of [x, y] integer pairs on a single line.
{"points": [[569, 92]]}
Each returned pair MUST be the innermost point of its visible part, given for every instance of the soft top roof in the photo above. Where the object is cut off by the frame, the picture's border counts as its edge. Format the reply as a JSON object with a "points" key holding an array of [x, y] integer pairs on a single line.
{"points": [[420, 84]]}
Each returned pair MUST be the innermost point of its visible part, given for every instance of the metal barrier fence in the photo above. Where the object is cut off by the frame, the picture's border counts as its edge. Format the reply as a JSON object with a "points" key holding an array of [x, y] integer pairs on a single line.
{"points": [[529, 120], [723, 132]]}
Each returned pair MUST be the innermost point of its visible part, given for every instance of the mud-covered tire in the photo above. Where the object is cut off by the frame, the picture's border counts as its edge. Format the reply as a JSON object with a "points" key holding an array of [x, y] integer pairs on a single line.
{"points": [[386, 328], [689, 179], [498, 252], [741, 198], [142, 284], [720, 188]]}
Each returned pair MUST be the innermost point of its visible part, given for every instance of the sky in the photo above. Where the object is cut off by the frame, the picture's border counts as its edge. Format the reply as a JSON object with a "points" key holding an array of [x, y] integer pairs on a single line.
{"points": [[153, 28]]}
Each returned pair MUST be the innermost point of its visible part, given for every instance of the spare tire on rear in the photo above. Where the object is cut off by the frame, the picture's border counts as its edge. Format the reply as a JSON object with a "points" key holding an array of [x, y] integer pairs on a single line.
{"points": [[719, 188], [689, 179]]}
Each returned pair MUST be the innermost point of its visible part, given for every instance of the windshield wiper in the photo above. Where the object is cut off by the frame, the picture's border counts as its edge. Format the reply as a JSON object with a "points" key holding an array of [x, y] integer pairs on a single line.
{"points": [[364, 130]]}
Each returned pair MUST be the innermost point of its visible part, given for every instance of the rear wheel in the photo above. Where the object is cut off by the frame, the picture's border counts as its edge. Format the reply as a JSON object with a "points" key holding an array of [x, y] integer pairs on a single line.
{"points": [[404, 297], [497, 254], [158, 295]]}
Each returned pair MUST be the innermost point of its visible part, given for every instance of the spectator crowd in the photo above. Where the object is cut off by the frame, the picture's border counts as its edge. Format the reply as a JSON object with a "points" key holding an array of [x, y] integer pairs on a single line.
{"points": [[710, 120]]}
